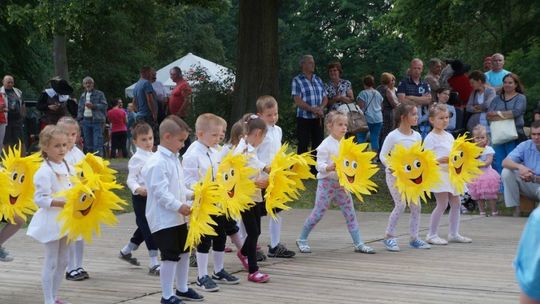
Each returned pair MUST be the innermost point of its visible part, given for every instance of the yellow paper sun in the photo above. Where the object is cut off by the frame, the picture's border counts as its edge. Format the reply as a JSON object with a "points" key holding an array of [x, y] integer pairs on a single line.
{"points": [[86, 209], [237, 189], [416, 172], [463, 163], [206, 195], [97, 168], [354, 168], [281, 186], [302, 170], [16, 178]]}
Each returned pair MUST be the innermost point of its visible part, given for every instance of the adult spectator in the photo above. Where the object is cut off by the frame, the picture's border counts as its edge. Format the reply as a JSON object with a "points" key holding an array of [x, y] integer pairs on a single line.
{"points": [[487, 64], [527, 261], [459, 82], [160, 96], [432, 77], [412, 90], [388, 90], [442, 95], [310, 99], [495, 76], [53, 101], [3, 121], [92, 115], [338, 91], [509, 104], [143, 99], [521, 173], [536, 115], [16, 110], [479, 100], [180, 99], [118, 118], [370, 101]]}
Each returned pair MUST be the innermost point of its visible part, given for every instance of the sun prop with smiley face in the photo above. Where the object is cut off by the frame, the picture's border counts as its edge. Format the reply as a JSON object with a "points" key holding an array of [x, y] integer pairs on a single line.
{"points": [[354, 168], [282, 188], [416, 171], [206, 196], [302, 170], [93, 169], [463, 163], [237, 189], [87, 208], [16, 177]]}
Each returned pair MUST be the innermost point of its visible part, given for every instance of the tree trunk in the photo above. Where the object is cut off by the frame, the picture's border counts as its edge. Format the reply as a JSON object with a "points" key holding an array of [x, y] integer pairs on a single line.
{"points": [[60, 57], [257, 63]]}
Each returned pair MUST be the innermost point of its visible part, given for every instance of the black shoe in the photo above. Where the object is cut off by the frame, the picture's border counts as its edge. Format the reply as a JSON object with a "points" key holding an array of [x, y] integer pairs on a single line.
{"points": [[190, 295], [261, 257], [171, 300], [74, 275], [206, 284], [280, 251], [223, 277], [128, 258], [192, 260], [83, 272]]}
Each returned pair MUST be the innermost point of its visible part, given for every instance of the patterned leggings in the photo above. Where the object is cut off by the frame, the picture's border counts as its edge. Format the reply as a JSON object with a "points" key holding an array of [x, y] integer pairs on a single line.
{"points": [[399, 208], [328, 190]]}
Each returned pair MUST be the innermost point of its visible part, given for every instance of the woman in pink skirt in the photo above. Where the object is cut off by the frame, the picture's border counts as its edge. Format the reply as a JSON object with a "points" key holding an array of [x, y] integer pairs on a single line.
{"points": [[486, 186]]}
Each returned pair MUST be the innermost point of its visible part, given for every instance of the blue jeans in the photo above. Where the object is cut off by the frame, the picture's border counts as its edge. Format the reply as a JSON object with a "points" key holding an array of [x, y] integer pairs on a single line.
{"points": [[374, 132], [501, 151], [93, 136]]}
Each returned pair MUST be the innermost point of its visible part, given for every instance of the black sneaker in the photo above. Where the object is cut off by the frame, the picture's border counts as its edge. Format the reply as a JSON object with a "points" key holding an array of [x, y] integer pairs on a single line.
{"points": [[83, 273], [261, 257], [280, 251], [171, 300], [74, 275], [189, 295], [192, 260], [206, 284], [223, 277], [128, 258]]}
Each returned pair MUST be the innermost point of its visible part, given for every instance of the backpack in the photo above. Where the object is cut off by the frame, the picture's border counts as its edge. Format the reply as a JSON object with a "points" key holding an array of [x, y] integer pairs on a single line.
{"points": [[356, 122]]}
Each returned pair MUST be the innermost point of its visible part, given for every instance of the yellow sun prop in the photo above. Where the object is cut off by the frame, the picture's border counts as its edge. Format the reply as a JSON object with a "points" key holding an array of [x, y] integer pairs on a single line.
{"points": [[237, 189], [86, 209], [416, 172], [92, 169], [206, 195], [16, 178], [281, 187], [354, 168], [463, 163], [302, 170]]}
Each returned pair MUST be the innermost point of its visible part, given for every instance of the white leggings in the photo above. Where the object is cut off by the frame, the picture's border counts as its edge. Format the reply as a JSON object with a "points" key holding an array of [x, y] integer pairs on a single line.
{"points": [[443, 199], [75, 255], [54, 265]]}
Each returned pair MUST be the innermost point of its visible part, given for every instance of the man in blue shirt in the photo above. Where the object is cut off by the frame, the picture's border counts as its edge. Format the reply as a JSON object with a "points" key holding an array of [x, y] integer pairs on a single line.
{"points": [[143, 99], [527, 262], [494, 77], [310, 98], [521, 173]]}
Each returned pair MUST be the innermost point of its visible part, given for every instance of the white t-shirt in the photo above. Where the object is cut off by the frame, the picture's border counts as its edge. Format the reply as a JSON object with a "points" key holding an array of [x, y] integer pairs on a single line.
{"points": [[396, 137]]}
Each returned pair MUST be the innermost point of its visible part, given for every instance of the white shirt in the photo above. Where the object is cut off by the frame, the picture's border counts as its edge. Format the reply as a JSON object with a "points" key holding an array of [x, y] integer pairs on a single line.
{"points": [[74, 156], [253, 162], [135, 179], [441, 145], [164, 179], [196, 161], [396, 137], [48, 180], [329, 147], [87, 110], [270, 145]]}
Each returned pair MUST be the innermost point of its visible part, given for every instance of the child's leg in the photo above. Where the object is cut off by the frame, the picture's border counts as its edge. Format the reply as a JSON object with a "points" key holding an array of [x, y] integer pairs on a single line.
{"points": [[166, 278], [10, 229], [454, 214], [232, 230], [274, 227], [218, 244], [202, 256], [170, 242], [399, 206], [345, 203], [414, 220], [442, 199], [79, 253], [72, 257], [481, 208], [182, 271], [50, 264], [61, 261], [322, 202], [493, 206], [142, 226], [252, 220]]}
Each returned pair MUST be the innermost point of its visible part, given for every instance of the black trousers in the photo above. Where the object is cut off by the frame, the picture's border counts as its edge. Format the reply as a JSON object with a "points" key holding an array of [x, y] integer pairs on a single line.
{"points": [[309, 131], [218, 241], [171, 242], [118, 142], [143, 231], [252, 222]]}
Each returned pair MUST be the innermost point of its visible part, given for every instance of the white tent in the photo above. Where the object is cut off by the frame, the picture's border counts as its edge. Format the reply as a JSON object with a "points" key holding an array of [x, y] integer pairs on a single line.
{"points": [[188, 64]]}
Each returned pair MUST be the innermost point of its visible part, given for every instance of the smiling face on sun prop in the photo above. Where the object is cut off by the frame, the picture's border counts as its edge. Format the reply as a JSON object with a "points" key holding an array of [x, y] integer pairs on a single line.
{"points": [[235, 186], [86, 209], [16, 178], [416, 172], [92, 169], [354, 168], [463, 163], [206, 196]]}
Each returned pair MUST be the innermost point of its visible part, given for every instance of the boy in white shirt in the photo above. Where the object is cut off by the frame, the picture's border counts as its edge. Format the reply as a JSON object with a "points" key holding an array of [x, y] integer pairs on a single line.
{"points": [[198, 159], [167, 208], [267, 110]]}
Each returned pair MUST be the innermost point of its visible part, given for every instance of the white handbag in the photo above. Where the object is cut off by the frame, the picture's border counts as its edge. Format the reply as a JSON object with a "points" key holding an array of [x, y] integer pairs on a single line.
{"points": [[503, 131]]}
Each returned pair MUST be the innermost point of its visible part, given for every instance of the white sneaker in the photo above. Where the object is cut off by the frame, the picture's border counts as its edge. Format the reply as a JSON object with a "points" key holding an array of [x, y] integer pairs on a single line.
{"points": [[436, 240], [459, 239]]}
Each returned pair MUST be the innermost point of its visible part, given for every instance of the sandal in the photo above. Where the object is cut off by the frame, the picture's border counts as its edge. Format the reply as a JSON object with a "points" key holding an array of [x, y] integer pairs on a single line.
{"points": [[74, 275], [83, 273], [154, 270], [494, 213], [128, 258], [258, 277]]}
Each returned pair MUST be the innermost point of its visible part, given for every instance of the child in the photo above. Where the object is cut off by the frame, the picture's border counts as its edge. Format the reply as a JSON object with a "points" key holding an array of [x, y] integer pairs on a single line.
{"points": [[167, 208], [143, 138], [74, 271], [486, 186], [441, 142], [267, 110], [53, 176], [255, 129], [198, 159], [328, 187], [405, 117]]}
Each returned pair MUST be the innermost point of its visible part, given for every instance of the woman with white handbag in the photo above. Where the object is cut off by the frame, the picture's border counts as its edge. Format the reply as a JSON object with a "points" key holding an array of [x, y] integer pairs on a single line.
{"points": [[505, 115]]}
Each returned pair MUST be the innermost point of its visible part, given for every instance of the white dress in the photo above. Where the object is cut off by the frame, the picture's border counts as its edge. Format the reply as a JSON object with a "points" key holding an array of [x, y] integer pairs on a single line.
{"points": [[441, 144]]}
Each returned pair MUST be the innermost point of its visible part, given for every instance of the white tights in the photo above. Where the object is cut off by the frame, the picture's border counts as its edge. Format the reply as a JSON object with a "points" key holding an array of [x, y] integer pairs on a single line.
{"points": [[443, 199], [54, 265], [75, 255]]}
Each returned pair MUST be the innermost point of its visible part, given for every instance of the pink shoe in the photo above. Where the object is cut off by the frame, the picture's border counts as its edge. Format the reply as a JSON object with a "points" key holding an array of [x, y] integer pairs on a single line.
{"points": [[228, 249], [58, 301], [258, 277], [243, 259]]}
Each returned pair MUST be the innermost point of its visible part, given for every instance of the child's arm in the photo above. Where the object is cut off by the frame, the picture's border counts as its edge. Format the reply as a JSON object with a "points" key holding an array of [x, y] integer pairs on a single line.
{"points": [[324, 163], [158, 182], [489, 160], [387, 146], [135, 166], [43, 195], [192, 171]]}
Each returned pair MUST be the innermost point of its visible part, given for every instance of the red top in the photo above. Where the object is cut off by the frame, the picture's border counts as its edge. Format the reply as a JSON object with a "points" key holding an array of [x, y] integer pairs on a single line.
{"points": [[3, 119], [178, 95], [461, 85], [118, 119]]}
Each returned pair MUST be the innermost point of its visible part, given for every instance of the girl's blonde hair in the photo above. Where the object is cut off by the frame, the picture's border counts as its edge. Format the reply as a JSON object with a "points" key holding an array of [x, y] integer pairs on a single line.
{"points": [[480, 128], [237, 132], [402, 110], [332, 116], [437, 108], [68, 121], [47, 134]]}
